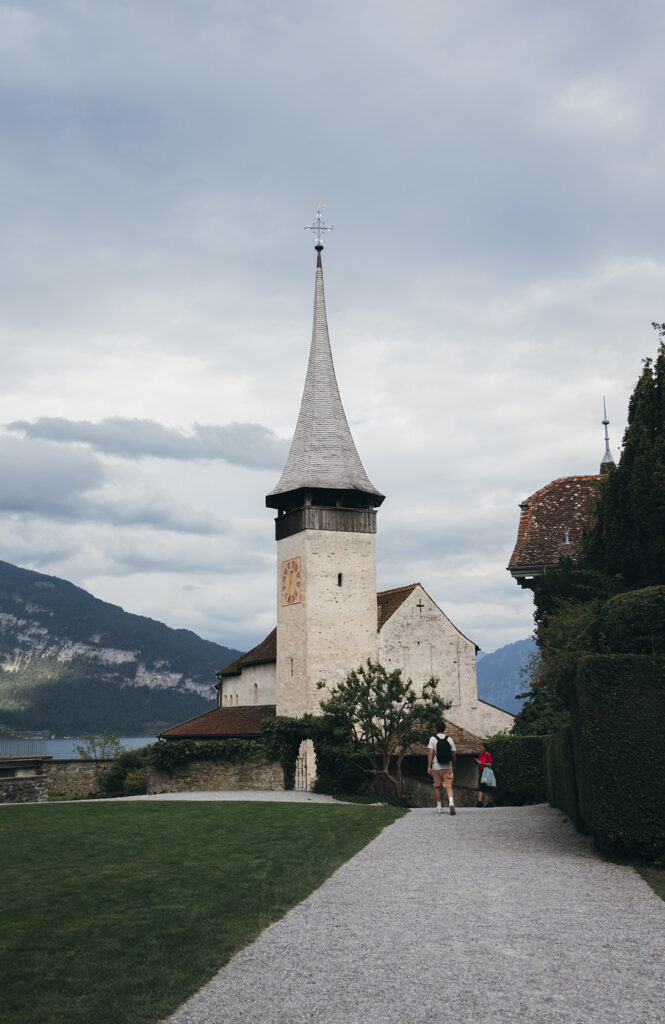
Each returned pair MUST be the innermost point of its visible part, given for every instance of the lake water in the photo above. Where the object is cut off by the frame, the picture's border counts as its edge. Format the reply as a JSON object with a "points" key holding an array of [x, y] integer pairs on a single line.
{"points": [[63, 749]]}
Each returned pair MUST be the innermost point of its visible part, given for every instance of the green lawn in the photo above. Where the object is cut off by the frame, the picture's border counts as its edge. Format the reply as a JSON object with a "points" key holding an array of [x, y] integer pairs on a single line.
{"points": [[114, 913]]}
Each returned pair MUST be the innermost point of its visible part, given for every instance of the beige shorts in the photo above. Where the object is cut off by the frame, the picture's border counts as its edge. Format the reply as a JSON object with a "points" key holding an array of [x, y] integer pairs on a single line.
{"points": [[442, 777]]}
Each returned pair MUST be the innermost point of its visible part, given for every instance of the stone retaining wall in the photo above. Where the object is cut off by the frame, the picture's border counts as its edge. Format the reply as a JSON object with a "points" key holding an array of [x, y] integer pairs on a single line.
{"points": [[30, 790], [75, 777], [205, 776]]}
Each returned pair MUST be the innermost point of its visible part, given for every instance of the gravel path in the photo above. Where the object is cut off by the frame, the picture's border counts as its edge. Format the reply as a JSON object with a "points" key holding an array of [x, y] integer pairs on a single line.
{"points": [[502, 917]]}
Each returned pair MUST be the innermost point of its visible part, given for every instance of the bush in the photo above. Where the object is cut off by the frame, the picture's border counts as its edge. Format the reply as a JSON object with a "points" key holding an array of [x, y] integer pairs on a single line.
{"points": [[518, 765], [618, 740], [560, 778], [135, 782], [112, 782], [634, 622]]}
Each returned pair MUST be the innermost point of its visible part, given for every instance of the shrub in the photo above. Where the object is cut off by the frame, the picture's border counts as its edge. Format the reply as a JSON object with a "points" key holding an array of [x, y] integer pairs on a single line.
{"points": [[518, 765], [135, 782], [560, 778], [634, 622], [618, 739], [112, 782]]}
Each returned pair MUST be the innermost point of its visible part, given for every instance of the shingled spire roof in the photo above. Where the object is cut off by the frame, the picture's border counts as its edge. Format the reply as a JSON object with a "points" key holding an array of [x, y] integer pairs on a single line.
{"points": [[322, 455]]}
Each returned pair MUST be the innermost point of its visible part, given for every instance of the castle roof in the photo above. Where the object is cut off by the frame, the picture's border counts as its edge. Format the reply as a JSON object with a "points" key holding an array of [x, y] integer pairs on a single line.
{"points": [[552, 524], [388, 601], [221, 723], [262, 654], [323, 455]]}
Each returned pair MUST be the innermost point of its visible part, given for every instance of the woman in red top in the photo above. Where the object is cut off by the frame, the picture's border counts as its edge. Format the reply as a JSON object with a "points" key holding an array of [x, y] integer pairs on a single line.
{"points": [[484, 760]]}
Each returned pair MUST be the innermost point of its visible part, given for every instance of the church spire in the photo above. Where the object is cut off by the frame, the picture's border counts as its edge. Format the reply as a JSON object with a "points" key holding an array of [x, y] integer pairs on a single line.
{"points": [[323, 465], [607, 462]]}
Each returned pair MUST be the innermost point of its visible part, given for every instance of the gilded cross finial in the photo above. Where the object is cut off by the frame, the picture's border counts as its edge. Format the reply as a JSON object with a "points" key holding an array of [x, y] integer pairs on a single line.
{"points": [[319, 227]]}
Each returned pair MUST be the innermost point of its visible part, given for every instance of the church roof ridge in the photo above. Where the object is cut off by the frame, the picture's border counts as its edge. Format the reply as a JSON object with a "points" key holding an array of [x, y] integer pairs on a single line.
{"points": [[323, 454]]}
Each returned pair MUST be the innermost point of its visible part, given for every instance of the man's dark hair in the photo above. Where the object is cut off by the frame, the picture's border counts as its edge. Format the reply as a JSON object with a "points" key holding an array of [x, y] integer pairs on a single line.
{"points": [[440, 725]]}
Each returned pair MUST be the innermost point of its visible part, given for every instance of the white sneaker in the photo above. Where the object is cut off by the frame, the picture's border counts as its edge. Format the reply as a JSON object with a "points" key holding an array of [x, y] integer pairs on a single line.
{"points": [[439, 810]]}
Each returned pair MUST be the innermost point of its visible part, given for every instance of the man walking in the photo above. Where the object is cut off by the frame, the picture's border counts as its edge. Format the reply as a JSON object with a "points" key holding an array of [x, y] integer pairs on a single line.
{"points": [[441, 757]]}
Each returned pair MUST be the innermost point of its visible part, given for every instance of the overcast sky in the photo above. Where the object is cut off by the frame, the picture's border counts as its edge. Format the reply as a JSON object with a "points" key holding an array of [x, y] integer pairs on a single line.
{"points": [[494, 171]]}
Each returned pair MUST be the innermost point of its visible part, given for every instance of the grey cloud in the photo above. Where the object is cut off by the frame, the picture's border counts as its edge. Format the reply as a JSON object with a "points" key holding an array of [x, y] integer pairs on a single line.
{"points": [[244, 444], [48, 481]]}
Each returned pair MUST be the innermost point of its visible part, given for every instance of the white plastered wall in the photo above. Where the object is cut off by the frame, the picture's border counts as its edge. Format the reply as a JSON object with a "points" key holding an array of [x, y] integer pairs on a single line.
{"points": [[420, 639], [255, 685]]}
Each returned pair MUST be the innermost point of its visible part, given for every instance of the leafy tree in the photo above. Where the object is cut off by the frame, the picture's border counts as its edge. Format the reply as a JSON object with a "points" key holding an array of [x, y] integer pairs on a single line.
{"points": [[629, 536], [99, 746], [384, 717]]}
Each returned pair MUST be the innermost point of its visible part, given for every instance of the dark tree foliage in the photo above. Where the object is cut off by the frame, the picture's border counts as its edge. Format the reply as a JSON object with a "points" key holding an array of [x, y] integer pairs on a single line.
{"points": [[629, 536], [625, 552]]}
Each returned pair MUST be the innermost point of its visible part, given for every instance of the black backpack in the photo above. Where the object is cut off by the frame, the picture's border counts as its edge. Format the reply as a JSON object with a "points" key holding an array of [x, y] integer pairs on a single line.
{"points": [[444, 754]]}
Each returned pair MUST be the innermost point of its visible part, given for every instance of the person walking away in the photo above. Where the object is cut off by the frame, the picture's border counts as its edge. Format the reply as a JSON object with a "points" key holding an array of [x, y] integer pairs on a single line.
{"points": [[441, 757], [484, 760]]}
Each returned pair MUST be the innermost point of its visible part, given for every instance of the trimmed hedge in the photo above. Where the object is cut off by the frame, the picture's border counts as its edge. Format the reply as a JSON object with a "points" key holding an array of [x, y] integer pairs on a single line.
{"points": [[618, 731], [634, 623], [518, 765], [560, 779]]}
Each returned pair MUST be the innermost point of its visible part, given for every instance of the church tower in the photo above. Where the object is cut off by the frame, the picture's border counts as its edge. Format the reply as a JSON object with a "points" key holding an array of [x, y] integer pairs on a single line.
{"points": [[325, 531]]}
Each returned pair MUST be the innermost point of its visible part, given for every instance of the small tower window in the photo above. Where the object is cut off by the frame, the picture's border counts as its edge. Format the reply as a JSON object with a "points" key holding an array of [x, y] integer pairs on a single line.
{"points": [[339, 579], [256, 693], [566, 535]]}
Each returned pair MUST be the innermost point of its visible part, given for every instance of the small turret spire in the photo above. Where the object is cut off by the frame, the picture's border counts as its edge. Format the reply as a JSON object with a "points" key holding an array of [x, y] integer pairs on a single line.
{"points": [[607, 462]]}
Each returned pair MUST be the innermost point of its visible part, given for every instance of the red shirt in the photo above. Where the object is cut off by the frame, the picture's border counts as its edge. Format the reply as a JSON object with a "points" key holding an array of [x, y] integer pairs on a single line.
{"points": [[485, 759]]}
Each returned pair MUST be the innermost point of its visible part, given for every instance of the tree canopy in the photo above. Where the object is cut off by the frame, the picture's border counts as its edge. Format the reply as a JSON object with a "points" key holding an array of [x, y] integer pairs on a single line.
{"points": [[385, 716]]}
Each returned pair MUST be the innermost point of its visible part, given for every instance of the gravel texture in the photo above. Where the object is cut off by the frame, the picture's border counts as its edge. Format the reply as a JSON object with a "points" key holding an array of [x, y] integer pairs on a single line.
{"points": [[503, 915]]}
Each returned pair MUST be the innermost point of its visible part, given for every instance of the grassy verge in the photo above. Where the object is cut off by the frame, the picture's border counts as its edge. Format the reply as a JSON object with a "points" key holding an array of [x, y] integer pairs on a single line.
{"points": [[115, 913], [656, 879]]}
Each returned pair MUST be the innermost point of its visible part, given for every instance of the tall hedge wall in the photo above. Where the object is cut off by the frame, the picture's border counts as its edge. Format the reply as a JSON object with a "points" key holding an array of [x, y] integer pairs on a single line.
{"points": [[518, 765], [618, 732], [560, 778]]}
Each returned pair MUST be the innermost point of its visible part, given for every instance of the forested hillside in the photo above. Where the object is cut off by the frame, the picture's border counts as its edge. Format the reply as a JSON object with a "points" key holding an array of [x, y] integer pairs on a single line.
{"points": [[499, 675], [71, 663]]}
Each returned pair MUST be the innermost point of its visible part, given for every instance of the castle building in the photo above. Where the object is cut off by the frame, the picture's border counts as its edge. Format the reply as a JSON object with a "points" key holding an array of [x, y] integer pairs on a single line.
{"points": [[330, 618], [554, 521]]}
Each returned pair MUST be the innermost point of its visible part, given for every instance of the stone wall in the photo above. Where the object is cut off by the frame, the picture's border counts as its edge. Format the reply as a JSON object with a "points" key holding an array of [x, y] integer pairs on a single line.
{"points": [[214, 776], [30, 790], [75, 777]]}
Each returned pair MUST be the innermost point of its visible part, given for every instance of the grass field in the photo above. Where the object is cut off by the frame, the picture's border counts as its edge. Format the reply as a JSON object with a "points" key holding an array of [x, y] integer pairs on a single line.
{"points": [[114, 913]]}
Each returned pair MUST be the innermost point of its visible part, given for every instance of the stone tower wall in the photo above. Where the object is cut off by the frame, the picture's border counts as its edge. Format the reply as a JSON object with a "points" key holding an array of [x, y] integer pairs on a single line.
{"points": [[332, 628]]}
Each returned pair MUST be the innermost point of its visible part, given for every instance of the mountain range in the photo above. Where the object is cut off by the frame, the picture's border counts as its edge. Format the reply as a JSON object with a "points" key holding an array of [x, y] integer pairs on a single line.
{"points": [[500, 676], [70, 663]]}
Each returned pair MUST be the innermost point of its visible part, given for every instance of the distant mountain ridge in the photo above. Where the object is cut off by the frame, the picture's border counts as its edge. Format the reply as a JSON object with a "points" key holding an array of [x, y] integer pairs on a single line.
{"points": [[71, 663], [499, 677]]}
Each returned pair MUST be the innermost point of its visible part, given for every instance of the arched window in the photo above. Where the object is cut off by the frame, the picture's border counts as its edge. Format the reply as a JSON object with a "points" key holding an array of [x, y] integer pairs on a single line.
{"points": [[256, 693]]}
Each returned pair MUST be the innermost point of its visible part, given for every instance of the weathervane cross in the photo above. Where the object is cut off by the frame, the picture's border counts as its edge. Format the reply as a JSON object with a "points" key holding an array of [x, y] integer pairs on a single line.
{"points": [[320, 226]]}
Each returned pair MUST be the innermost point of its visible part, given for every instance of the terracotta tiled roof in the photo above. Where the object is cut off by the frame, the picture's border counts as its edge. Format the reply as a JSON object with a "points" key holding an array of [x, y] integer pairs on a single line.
{"points": [[388, 601], [465, 742], [553, 521], [222, 722], [263, 653]]}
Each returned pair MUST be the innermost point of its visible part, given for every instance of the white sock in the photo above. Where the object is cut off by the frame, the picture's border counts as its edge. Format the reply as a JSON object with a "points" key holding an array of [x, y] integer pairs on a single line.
{"points": [[451, 801], [439, 804]]}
